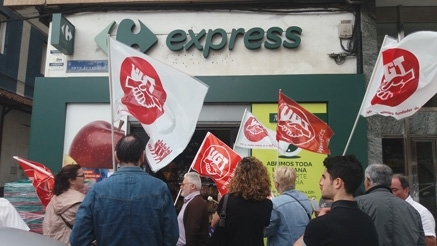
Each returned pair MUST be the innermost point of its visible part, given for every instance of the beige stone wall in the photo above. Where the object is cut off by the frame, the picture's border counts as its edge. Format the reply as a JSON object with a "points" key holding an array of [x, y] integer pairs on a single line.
{"points": [[61, 2]]}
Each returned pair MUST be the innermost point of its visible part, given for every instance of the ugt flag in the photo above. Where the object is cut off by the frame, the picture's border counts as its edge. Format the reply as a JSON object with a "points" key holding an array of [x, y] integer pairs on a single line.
{"points": [[41, 177], [217, 161], [404, 77], [301, 128], [164, 100], [254, 135]]}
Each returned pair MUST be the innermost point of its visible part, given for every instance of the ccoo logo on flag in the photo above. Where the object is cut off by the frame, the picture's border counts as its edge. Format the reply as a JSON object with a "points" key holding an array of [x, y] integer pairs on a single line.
{"points": [[216, 162], [400, 79], [144, 94]]}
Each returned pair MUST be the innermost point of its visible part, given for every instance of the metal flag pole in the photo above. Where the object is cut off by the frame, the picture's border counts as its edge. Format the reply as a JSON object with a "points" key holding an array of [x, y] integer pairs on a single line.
{"points": [[362, 103]]}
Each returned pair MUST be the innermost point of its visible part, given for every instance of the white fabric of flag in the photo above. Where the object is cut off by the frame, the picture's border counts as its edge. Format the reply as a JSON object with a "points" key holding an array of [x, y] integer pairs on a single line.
{"points": [[404, 77], [254, 135], [166, 101]]}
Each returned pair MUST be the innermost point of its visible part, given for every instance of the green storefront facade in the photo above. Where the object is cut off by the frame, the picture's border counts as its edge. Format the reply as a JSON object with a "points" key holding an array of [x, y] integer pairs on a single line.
{"points": [[342, 94]]}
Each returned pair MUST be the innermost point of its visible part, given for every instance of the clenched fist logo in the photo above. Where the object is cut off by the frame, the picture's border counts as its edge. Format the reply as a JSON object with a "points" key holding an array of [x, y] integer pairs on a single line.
{"points": [[254, 131], [216, 162], [294, 125], [144, 95], [400, 80]]}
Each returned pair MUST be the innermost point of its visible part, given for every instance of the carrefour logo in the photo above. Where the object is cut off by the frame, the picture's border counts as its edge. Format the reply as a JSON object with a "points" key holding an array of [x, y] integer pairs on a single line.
{"points": [[67, 32], [204, 41]]}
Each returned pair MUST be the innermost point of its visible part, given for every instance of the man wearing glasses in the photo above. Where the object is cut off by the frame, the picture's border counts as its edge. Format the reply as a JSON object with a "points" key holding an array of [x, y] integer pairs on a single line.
{"points": [[193, 219]]}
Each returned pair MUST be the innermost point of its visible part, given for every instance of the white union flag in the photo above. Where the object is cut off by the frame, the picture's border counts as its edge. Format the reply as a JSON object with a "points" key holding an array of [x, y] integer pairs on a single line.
{"points": [[165, 101]]}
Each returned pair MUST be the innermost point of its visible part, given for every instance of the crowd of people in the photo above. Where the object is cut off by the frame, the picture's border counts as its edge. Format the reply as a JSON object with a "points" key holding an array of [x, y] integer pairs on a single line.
{"points": [[132, 207]]}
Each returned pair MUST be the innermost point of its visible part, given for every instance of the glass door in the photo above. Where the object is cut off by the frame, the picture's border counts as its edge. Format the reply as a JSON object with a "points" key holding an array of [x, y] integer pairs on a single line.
{"points": [[424, 156]]}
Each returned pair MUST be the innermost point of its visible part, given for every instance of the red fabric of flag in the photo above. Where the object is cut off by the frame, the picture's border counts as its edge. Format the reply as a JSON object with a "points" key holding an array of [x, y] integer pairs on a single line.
{"points": [[41, 177], [217, 161], [301, 128]]}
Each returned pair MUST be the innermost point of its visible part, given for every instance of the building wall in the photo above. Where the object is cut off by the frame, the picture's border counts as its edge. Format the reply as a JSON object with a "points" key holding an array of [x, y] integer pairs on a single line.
{"points": [[22, 57], [306, 73], [318, 39], [15, 142], [20, 64]]}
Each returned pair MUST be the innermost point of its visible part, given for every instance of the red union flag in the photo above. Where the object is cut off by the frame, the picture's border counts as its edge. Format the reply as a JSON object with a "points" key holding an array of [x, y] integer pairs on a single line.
{"points": [[217, 161], [164, 100], [404, 77], [301, 128], [254, 135], [41, 177]]}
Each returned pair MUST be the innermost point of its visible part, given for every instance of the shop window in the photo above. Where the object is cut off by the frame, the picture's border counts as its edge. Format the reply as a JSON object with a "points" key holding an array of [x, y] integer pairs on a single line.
{"points": [[2, 34], [393, 154]]}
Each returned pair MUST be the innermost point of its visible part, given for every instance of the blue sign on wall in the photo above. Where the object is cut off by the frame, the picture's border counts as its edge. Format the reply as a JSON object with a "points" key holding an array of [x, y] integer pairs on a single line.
{"points": [[87, 66]]}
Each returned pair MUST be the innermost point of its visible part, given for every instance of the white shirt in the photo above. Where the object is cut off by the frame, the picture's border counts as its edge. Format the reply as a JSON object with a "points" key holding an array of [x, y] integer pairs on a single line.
{"points": [[428, 221], [9, 217]]}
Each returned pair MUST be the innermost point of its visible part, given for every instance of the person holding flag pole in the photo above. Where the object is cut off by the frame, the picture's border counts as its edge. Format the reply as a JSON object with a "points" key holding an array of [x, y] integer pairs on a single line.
{"points": [[214, 160]]}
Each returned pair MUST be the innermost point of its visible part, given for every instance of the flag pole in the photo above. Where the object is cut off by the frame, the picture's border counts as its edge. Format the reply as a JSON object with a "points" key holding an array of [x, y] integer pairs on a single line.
{"points": [[33, 166], [179, 193], [277, 121], [111, 100], [362, 103], [191, 167], [353, 129], [239, 129]]}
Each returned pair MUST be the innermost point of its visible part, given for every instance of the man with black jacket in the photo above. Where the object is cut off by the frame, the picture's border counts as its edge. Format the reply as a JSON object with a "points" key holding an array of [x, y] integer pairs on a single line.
{"points": [[343, 224]]}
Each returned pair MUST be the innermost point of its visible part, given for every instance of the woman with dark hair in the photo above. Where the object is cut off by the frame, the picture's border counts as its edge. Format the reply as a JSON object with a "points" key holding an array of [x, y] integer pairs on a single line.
{"points": [[61, 211], [248, 207]]}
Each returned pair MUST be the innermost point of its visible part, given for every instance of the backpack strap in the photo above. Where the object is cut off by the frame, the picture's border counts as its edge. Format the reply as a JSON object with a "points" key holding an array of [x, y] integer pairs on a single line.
{"points": [[308, 214], [222, 221], [65, 221]]}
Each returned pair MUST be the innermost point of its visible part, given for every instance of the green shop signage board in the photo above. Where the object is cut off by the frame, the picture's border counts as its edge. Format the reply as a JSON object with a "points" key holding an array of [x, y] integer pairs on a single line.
{"points": [[62, 36]]}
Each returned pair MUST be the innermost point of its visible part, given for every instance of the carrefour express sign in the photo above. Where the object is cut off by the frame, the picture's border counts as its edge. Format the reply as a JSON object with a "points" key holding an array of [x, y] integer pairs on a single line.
{"points": [[206, 40]]}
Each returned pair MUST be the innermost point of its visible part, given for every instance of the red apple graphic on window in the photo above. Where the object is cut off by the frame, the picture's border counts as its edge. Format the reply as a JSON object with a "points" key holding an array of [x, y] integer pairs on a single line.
{"points": [[254, 131], [144, 95], [92, 145], [400, 80]]}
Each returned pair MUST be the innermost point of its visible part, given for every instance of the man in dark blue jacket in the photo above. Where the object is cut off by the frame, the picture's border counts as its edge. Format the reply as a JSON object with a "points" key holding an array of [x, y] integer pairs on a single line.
{"points": [[128, 208]]}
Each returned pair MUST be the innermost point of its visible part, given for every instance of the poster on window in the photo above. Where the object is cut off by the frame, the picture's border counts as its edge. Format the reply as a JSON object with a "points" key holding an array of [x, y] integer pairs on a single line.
{"points": [[88, 140], [308, 165]]}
